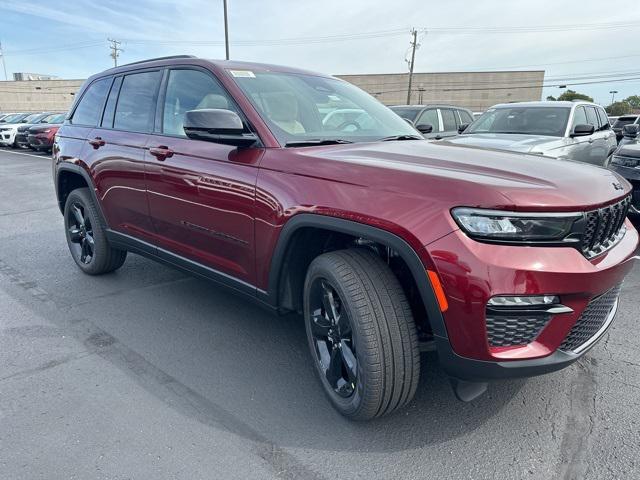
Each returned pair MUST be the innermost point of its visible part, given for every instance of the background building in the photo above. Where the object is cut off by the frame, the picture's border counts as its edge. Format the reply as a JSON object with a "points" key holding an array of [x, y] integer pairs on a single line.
{"points": [[37, 95], [18, 76], [476, 91]]}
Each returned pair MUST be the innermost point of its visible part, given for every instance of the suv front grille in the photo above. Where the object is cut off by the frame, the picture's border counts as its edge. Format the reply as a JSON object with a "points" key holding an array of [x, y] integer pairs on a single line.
{"points": [[636, 194], [604, 227], [591, 321], [511, 328]]}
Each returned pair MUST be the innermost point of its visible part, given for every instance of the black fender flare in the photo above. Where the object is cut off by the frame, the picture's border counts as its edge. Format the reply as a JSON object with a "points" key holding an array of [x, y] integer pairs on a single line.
{"points": [[78, 170], [340, 225]]}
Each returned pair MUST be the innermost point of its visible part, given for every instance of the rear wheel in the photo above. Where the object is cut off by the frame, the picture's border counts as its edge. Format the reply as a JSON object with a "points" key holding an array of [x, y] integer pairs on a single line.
{"points": [[86, 237], [361, 333]]}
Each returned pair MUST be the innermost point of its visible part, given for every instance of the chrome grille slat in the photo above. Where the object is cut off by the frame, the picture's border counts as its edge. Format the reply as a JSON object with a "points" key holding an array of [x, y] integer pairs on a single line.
{"points": [[604, 228]]}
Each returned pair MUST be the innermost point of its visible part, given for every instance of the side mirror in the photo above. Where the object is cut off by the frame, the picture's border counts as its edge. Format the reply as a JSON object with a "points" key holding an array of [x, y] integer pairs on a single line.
{"points": [[462, 127], [218, 126], [631, 130], [582, 130], [425, 128]]}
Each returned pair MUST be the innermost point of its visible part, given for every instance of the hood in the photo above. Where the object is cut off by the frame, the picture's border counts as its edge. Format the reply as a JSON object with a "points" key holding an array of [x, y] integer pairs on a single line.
{"points": [[11, 125], [464, 176], [512, 142], [43, 127]]}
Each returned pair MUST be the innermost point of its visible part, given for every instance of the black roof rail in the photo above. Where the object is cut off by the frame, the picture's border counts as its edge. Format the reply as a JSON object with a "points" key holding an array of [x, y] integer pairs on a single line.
{"points": [[170, 57]]}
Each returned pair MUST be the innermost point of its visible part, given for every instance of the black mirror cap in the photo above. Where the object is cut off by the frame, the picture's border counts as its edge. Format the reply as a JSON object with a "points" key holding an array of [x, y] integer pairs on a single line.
{"points": [[462, 127], [631, 130], [582, 130], [425, 128], [218, 126]]}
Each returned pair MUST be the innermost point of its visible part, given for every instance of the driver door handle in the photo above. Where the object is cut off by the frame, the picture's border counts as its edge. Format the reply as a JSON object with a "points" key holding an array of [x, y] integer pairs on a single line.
{"points": [[97, 142], [161, 153]]}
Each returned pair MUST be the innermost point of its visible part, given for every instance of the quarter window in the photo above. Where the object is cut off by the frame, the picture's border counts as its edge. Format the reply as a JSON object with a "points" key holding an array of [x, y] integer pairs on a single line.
{"points": [[89, 109], [191, 90], [136, 107]]}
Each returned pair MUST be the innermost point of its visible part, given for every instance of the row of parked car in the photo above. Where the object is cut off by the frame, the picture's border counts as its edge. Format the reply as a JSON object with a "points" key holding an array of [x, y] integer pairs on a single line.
{"points": [[30, 130]]}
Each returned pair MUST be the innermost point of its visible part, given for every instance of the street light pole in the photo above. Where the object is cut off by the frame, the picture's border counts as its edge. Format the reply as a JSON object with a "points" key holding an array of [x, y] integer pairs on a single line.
{"points": [[613, 95], [226, 30]]}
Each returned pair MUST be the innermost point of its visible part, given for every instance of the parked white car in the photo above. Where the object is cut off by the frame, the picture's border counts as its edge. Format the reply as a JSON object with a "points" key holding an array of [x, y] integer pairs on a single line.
{"points": [[9, 127]]}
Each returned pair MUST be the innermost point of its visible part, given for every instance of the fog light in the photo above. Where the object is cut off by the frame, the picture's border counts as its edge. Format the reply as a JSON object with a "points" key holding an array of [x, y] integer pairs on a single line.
{"points": [[523, 301]]}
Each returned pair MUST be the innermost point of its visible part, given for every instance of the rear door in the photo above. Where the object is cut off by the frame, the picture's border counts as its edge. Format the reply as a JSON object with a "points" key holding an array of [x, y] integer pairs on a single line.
{"points": [[201, 194], [579, 146], [116, 151], [598, 150]]}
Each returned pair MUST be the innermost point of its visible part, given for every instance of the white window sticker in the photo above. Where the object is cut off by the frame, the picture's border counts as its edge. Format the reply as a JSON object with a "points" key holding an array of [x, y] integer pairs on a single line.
{"points": [[243, 73]]}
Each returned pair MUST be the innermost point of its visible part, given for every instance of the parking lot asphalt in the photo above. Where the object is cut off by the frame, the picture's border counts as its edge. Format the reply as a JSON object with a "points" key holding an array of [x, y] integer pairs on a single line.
{"points": [[148, 373]]}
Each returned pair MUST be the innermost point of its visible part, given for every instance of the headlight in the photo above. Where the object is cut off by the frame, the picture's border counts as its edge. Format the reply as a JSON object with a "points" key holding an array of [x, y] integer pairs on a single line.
{"points": [[514, 226], [625, 161]]}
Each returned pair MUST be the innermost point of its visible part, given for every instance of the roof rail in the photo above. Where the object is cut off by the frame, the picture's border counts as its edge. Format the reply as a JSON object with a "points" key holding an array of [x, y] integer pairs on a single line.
{"points": [[157, 58]]}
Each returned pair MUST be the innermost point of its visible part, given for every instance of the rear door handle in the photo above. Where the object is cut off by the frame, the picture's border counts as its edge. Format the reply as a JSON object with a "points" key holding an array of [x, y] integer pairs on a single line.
{"points": [[97, 143], [161, 153]]}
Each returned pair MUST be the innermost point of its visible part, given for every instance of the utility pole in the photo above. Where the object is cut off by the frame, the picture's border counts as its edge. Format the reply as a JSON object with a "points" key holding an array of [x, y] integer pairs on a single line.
{"points": [[115, 50], [226, 30], [4, 66], [414, 45]]}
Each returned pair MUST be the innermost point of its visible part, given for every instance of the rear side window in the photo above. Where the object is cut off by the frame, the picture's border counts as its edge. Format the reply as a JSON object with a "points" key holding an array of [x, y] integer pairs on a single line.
{"points": [[136, 107], [89, 109], [430, 117], [109, 109], [604, 120], [448, 120], [191, 90]]}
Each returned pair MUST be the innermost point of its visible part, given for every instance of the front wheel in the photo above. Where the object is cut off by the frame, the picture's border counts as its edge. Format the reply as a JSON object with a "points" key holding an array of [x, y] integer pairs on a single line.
{"points": [[361, 333], [86, 237]]}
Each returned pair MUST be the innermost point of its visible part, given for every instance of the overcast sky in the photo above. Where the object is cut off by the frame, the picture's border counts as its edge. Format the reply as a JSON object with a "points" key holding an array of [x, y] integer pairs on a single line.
{"points": [[68, 38]]}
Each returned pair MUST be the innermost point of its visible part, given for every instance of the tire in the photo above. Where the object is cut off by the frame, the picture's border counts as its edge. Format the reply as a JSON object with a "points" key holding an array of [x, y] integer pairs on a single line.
{"points": [[383, 344], [86, 236]]}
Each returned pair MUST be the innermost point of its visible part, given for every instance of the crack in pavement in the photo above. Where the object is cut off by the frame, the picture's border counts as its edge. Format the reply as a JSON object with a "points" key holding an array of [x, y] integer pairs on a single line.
{"points": [[156, 381]]}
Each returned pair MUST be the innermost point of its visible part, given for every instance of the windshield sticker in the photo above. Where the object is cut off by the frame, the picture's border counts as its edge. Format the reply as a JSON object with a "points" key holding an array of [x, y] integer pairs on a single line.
{"points": [[243, 73]]}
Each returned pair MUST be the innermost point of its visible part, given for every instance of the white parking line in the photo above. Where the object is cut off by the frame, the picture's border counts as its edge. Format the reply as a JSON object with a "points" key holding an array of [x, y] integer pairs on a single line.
{"points": [[27, 154]]}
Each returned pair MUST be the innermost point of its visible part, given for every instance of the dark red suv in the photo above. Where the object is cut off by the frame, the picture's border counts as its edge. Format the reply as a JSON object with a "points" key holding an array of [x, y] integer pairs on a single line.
{"points": [[306, 195]]}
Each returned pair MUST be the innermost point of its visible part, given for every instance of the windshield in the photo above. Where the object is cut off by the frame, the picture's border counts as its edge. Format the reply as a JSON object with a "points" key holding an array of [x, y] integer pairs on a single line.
{"points": [[622, 121], [33, 118], [299, 107], [14, 118], [550, 121], [55, 118], [408, 113]]}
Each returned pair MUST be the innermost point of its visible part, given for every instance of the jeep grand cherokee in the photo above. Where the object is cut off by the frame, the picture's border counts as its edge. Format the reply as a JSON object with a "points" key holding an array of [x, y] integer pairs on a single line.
{"points": [[506, 264]]}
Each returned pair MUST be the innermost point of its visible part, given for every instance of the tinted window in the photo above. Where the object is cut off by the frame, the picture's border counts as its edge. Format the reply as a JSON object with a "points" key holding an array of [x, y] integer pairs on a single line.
{"points": [[592, 117], [408, 113], [604, 120], [136, 107], [90, 107], [448, 119], [579, 117], [109, 109], [191, 90], [465, 117], [430, 117]]}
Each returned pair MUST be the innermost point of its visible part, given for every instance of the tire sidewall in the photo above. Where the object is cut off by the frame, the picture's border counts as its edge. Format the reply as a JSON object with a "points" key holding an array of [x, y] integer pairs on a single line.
{"points": [[81, 197], [347, 406]]}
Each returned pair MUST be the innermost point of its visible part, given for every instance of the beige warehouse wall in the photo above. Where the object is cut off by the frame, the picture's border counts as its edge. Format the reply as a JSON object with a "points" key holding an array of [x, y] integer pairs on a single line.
{"points": [[476, 91], [37, 95]]}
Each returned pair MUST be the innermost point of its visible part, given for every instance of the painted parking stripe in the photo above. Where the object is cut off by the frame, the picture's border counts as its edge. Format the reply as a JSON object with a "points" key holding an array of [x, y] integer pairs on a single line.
{"points": [[27, 154]]}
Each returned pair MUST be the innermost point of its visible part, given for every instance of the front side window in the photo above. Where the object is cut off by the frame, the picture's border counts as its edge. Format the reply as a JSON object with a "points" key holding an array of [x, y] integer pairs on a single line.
{"points": [[592, 117], [430, 117], [299, 107], [551, 121], [579, 117], [191, 90], [89, 109], [136, 107], [465, 117]]}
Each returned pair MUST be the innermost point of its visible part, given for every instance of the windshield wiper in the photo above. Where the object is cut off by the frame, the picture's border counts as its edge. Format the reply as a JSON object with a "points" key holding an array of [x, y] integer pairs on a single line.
{"points": [[316, 141], [401, 137]]}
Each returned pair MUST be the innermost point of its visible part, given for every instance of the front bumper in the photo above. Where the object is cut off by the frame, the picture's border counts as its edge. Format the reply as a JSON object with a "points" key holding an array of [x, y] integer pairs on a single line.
{"points": [[632, 175], [472, 272], [7, 138], [40, 140]]}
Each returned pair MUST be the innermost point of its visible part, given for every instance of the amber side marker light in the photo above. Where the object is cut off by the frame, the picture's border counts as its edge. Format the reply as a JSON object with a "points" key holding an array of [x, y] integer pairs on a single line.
{"points": [[438, 290]]}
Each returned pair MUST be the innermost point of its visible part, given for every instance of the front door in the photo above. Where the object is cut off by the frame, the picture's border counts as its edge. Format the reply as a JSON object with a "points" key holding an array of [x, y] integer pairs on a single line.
{"points": [[201, 194]]}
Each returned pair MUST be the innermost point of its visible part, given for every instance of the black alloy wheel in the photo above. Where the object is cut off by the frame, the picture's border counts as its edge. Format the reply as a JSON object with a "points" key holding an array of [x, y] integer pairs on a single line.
{"points": [[332, 335], [82, 243]]}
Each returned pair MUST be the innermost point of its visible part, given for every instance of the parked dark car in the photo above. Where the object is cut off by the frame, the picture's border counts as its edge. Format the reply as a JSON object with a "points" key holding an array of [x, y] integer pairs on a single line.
{"points": [[40, 137], [630, 134], [507, 265], [445, 120], [626, 162], [621, 122], [22, 131]]}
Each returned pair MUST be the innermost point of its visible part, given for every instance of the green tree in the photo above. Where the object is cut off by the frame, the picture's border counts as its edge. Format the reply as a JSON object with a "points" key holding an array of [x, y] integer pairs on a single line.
{"points": [[618, 108], [633, 100], [551, 98], [571, 95]]}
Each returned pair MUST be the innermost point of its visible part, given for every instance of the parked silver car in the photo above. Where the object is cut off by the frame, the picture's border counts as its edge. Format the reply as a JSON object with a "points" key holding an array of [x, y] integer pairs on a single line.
{"points": [[566, 130]]}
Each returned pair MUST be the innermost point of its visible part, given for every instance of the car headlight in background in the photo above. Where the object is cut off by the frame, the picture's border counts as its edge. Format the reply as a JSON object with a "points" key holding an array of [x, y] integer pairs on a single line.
{"points": [[625, 161], [514, 226]]}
